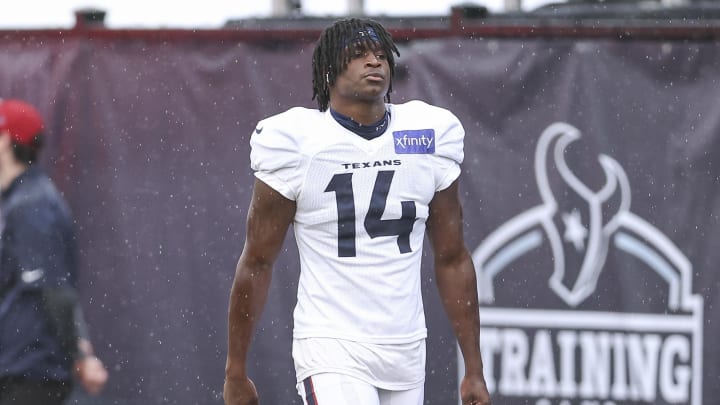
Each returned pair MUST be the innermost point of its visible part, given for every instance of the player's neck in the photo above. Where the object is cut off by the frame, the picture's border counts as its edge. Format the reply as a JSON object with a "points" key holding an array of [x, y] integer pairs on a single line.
{"points": [[362, 113]]}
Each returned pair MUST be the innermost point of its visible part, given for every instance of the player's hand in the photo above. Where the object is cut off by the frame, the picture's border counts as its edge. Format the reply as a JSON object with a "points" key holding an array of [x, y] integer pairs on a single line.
{"points": [[473, 391], [240, 391], [91, 373]]}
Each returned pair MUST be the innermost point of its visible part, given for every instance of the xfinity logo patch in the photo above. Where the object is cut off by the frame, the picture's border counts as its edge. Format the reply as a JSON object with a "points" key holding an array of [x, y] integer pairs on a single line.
{"points": [[416, 141]]}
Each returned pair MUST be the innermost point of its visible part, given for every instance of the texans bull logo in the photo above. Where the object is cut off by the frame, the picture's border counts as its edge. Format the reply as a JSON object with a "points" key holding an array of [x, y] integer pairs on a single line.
{"points": [[579, 229]]}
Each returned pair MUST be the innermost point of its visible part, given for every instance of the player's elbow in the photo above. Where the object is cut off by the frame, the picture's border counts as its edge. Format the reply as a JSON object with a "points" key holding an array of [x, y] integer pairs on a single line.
{"points": [[253, 265], [453, 258]]}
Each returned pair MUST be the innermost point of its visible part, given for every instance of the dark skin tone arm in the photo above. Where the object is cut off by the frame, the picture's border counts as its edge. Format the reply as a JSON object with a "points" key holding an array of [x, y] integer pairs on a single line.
{"points": [[269, 216], [457, 285]]}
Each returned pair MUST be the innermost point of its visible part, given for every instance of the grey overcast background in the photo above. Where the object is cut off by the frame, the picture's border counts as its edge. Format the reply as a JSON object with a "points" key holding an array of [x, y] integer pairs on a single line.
{"points": [[29, 14]]}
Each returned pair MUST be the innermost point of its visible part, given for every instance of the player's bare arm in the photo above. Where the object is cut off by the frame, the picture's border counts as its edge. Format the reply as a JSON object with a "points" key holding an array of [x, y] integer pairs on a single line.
{"points": [[269, 217], [457, 285]]}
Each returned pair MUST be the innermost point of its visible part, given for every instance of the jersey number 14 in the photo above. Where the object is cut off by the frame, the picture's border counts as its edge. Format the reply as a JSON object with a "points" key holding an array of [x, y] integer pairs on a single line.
{"points": [[375, 226]]}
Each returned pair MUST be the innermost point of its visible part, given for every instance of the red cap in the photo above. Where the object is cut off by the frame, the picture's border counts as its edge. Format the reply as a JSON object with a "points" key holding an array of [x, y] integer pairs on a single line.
{"points": [[20, 119]]}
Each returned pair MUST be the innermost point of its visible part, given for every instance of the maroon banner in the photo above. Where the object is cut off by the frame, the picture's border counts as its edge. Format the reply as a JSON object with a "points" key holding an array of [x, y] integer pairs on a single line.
{"points": [[590, 187]]}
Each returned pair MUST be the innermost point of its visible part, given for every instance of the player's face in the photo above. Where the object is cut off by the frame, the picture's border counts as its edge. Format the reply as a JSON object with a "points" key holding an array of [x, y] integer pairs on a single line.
{"points": [[366, 77]]}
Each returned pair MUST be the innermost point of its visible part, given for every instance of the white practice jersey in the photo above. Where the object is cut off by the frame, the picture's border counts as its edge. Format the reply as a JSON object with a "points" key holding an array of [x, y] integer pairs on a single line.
{"points": [[361, 212]]}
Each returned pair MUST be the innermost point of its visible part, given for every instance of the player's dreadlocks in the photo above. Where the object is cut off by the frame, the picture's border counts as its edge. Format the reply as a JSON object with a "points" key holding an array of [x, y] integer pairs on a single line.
{"points": [[333, 52]]}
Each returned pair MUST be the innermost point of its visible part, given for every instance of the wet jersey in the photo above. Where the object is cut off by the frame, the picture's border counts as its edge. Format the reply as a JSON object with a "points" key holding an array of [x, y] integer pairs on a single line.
{"points": [[361, 212]]}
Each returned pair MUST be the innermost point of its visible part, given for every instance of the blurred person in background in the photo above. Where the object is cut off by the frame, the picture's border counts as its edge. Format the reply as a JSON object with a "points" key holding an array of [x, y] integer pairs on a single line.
{"points": [[361, 180], [44, 343]]}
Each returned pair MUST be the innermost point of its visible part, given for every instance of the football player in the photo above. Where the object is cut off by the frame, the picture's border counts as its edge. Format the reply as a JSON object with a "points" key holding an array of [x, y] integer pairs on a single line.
{"points": [[361, 180]]}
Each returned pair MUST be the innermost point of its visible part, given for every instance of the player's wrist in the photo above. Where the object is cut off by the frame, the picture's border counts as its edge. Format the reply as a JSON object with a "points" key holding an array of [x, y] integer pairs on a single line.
{"points": [[476, 376], [474, 368], [235, 370], [84, 349]]}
